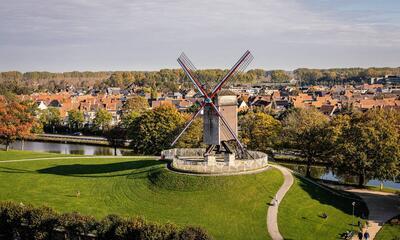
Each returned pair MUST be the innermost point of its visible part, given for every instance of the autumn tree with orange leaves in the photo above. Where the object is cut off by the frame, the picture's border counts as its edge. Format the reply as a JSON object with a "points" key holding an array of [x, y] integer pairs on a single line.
{"points": [[16, 120]]}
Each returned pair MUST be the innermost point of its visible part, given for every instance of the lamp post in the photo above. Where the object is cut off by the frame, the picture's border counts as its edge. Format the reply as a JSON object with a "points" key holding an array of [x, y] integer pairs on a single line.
{"points": [[353, 204]]}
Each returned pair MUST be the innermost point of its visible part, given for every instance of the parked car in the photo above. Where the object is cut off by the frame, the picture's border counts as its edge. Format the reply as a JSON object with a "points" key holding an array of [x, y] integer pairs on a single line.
{"points": [[77, 134]]}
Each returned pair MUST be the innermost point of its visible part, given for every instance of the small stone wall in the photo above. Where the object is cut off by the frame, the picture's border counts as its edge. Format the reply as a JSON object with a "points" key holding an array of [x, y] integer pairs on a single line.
{"points": [[191, 160]]}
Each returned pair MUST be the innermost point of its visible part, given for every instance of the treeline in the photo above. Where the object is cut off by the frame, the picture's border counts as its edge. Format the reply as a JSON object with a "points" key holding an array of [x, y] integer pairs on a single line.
{"points": [[29, 82], [163, 80], [341, 75], [18, 221], [171, 79]]}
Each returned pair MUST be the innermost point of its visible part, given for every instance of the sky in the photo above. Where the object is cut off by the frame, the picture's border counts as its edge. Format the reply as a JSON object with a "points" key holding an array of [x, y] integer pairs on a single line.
{"points": [[94, 35]]}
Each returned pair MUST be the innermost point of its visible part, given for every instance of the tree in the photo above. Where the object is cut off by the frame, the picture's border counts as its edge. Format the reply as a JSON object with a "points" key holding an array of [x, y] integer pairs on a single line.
{"points": [[193, 136], [155, 129], [260, 131], [128, 119], [369, 144], [133, 108], [75, 119], [16, 120], [136, 104], [116, 137], [50, 119], [308, 131], [102, 119], [279, 76]]}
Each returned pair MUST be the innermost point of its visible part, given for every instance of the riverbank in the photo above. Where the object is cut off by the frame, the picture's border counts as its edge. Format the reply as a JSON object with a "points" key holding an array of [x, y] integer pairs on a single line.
{"points": [[62, 138], [68, 148], [99, 141], [328, 175]]}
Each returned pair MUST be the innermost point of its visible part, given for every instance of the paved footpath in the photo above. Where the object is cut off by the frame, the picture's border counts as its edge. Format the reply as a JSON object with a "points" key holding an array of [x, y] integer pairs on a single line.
{"points": [[382, 207], [272, 215]]}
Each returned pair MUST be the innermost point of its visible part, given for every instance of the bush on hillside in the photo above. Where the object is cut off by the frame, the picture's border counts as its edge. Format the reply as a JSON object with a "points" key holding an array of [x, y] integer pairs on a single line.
{"points": [[27, 222]]}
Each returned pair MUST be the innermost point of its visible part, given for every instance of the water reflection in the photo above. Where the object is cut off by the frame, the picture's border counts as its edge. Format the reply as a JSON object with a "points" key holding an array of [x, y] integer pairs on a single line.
{"points": [[67, 148], [325, 173]]}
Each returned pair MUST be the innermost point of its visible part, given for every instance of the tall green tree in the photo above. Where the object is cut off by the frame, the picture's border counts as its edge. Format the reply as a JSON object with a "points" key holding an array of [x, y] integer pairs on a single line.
{"points": [[50, 119], [154, 130], [308, 131], [133, 108], [193, 137], [102, 119], [136, 104], [260, 131], [75, 119], [368, 144]]}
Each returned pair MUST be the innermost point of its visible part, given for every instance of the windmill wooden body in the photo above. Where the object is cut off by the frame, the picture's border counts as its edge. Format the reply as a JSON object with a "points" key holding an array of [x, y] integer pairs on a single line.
{"points": [[220, 109]]}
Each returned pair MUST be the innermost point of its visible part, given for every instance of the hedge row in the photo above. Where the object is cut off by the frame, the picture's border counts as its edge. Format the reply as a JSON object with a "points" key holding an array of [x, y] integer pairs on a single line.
{"points": [[18, 221]]}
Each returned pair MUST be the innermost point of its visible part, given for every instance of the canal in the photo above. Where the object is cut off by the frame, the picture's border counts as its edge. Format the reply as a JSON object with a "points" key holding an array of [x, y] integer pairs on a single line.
{"points": [[67, 148], [324, 173]]}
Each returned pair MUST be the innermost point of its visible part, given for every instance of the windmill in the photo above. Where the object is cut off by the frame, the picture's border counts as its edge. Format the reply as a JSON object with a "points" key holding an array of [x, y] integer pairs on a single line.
{"points": [[220, 115]]}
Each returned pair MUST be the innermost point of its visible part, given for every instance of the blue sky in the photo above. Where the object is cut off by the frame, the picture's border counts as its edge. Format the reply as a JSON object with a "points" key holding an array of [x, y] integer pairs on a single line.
{"points": [[66, 35]]}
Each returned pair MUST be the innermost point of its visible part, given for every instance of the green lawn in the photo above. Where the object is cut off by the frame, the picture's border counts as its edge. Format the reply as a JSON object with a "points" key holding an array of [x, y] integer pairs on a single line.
{"points": [[389, 232], [15, 155], [300, 213], [227, 207]]}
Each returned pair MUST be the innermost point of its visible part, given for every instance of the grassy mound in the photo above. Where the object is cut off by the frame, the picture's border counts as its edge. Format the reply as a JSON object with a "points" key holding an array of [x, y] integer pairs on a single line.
{"points": [[231, 207], [165, 179], [390, 231], [301, 212]]}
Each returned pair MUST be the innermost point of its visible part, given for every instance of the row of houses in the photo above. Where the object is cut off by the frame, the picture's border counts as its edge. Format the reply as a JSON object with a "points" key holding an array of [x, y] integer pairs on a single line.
{"points": [[329, 100]]}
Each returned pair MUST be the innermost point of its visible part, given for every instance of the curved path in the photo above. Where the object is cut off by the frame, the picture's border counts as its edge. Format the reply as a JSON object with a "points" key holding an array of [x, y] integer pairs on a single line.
{"points": [[272, 215], [382, 207]]}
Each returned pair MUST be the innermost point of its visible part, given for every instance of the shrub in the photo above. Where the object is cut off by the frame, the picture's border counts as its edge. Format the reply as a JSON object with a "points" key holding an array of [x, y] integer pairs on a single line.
{"points": [[40, 223], [27, 222], [193, 233], [75, 224], [11, 219]]}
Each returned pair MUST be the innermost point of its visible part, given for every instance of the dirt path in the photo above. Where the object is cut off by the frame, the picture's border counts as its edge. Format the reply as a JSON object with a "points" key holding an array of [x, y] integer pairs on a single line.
{"points": [[272, 215], [382, 207]]}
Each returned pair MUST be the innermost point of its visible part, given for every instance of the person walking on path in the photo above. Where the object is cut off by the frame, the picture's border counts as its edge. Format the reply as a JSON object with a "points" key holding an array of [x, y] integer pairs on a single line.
{"points": [[366, 235], [360, 235]]}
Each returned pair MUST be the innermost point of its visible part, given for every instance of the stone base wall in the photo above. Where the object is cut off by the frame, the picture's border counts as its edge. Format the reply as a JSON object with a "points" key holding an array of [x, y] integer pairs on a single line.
{"points": [[191, 160]]}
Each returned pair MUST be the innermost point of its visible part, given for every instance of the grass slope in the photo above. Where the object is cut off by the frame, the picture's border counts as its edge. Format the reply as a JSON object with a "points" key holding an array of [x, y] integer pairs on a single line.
{"points": [[389, 232], [228, 207], [300, 213]]}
